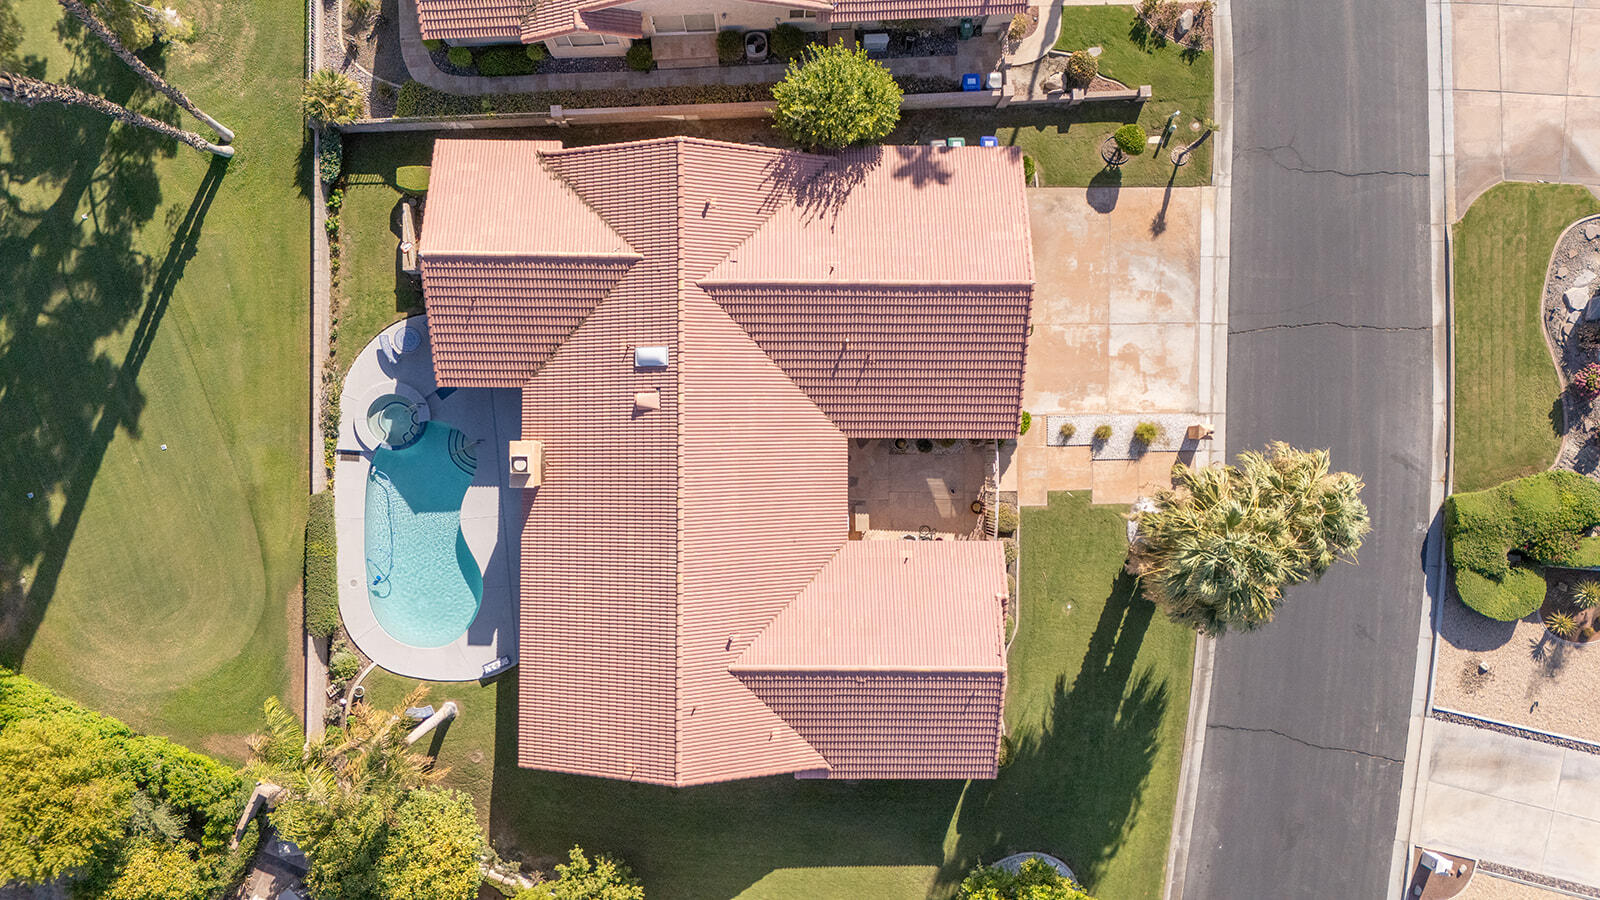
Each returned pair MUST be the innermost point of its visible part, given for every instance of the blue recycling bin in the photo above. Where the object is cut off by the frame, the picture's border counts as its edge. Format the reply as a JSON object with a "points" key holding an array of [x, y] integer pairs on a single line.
{"points": [[988, 140], [971, 82]]}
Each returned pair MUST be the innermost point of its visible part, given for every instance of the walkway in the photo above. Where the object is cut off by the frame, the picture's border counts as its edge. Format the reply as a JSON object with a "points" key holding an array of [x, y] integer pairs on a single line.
{"points": [[981, 54], [1512, 801], [1526, 93], [1033, 47]]}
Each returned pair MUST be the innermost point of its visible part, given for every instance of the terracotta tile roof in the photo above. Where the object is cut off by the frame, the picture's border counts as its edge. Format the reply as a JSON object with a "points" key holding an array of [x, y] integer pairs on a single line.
{"points": [[626, 23], [451, 20], [879, 10], [552, 18], [663, 542]]}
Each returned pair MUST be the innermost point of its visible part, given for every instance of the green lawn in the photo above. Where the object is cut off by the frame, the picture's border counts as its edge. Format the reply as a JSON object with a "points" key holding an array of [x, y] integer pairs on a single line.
{"points": [[1097, 699], [1507, 393], [150, 297]]}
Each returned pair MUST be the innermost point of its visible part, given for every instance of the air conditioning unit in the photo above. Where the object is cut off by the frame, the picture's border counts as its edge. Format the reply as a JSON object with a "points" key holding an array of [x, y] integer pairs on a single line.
{"points": [[526, 463]]}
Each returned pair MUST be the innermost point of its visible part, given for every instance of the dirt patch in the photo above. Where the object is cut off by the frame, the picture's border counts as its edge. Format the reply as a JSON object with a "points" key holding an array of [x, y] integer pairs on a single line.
{"points": [[1561, 599], [1162, 21]]}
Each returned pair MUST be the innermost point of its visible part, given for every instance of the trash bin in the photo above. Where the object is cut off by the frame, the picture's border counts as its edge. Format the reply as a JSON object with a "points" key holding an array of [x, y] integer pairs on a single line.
{"points": [[971, 82], [966, 29]]}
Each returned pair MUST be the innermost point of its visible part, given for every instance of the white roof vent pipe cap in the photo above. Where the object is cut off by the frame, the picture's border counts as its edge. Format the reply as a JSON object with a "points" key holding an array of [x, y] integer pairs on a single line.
{"points": [[650, 357]]}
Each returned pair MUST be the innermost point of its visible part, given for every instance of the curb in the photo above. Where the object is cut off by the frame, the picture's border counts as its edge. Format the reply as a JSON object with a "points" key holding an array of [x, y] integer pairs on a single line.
{"points": [[1441, 180], [1214, 382]]}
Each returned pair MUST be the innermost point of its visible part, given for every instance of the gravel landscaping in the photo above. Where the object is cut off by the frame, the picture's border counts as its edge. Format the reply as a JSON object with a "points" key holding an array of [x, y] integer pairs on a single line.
{"points": [[1533, 679], [1485, 886], [1572, 327]]}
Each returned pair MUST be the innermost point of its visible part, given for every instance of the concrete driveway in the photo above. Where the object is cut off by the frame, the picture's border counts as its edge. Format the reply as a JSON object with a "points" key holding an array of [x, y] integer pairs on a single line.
{"points": [[1526, 93], [1122, 324], [1516, 802]]}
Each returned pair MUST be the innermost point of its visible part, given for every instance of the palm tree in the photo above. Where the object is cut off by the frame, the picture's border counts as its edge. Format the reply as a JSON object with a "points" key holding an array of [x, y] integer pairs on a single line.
{"points": [[1180, 156], [101, 31], [368, 756], [332, 98], [31, 92], [1217, 551]]}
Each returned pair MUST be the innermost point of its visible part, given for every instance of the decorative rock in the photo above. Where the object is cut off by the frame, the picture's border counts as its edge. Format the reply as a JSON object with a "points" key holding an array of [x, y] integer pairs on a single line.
{"points": [[1583, 278], [1185, 22], [1577, 298], [1593, 312], [1572, 253], [1096, 51], [1561, 271], [1592, 230], [1055, 82]]}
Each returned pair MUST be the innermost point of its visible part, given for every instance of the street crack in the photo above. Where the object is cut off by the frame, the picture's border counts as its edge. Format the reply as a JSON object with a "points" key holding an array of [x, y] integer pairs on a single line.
{"points": [[1300, 166], [1304, 743]]}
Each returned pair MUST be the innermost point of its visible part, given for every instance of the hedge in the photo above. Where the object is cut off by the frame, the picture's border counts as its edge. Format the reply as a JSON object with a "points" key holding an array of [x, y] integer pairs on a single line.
{"points": [[1542, 516], [510, 59], [418, 100], [321, 568], [331, 161], [730, 47]]}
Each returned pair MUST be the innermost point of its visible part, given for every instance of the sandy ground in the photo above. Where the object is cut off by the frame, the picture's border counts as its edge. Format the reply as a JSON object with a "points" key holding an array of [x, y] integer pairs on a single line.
{"points": [[1534, 680], [1487, 887]]}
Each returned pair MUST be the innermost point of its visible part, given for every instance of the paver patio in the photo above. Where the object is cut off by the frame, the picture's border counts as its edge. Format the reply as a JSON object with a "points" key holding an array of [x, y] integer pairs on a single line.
{"points": [[1119, 327], [1526, 93]]}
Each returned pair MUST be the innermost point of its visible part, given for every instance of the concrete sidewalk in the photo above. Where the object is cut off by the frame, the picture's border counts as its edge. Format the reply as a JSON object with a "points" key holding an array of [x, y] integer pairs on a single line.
{"points": [[1512, 801]]}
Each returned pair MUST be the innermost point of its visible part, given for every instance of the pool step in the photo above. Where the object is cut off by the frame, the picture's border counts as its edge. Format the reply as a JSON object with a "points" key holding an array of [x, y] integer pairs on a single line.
{"points": [[463, 452]]}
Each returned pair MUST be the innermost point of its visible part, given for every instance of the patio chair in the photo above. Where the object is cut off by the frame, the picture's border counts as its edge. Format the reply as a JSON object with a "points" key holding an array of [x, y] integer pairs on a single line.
{"points": [[387, 348]]}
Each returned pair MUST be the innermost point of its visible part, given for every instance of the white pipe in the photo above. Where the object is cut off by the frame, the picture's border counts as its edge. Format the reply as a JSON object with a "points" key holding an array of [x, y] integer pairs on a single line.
{"points": [[444, 714]]}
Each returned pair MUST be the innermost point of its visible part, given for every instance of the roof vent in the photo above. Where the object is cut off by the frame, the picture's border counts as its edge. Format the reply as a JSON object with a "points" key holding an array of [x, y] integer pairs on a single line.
{"points": [[650, 357], [645, 401]]}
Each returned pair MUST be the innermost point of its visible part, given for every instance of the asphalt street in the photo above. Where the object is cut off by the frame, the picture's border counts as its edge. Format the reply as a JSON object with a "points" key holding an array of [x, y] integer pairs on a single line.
{"points": [[1329, 346]]}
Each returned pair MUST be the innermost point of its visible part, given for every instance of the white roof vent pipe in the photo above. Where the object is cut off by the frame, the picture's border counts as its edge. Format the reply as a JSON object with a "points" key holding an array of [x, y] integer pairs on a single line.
{"points": [[650, 357]]}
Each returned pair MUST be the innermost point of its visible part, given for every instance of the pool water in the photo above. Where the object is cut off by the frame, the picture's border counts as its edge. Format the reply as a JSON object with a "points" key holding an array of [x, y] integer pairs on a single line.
{"points": [[424, 583], [393, 419]]}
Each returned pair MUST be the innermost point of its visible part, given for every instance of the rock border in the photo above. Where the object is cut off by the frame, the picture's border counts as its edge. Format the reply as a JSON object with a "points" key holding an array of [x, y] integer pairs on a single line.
{"points": [[1575, 253]]}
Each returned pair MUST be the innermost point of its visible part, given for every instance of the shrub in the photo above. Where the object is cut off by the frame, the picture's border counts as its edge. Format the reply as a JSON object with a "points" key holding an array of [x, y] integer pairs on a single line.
{"points": [[1102, 433], [924, 445], [1586, 594], [1542, 514], [1561, 625], [343, 665], [640, 57], [1082, 68], [730, 47], [1029, 169], [1067, 431], [537, 53], [1587, 381], [361, 10], [321, 568], [1010, 545], [433, 45], [417, 99], [501, 61], [1131, 139], [1146, 433], [412, 179], [1019, 26], [836, 97], [460, 57], [331, 161], [1005, 518], [332, 98], [786, 42], [602, 878], [1024, 422], [1035, 879]]}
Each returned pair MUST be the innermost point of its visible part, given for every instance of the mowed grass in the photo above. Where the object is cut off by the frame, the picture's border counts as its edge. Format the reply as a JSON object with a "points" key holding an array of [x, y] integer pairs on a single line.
{"points": [[1097, 699], [150, 297], [1508, 415]]}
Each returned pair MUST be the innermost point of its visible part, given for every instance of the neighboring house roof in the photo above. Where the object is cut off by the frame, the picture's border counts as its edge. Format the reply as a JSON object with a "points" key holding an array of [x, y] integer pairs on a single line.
{"points": [[453, 20], [888, 10], [667, 538]]}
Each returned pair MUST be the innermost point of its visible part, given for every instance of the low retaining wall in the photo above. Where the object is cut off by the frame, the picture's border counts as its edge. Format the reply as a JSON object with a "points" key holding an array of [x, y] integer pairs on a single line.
{"points": [[694, 112]]}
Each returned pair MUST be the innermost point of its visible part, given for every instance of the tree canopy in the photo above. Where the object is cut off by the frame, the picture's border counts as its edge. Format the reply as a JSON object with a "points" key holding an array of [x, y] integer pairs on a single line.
{"points": [[64, 800], [1035, 879], [580, 878], [155, 871], [834, 97], [1216, 551], [433, 848]]}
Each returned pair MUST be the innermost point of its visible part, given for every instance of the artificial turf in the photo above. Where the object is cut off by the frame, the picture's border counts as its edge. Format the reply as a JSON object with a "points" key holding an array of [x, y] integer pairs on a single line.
{"points": [[1508, 414], [153, 358], [1096, 704]]}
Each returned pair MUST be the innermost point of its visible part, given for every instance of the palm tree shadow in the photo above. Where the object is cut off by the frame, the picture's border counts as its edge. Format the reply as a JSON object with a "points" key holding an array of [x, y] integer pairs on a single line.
{"points": [[1077, 777]]}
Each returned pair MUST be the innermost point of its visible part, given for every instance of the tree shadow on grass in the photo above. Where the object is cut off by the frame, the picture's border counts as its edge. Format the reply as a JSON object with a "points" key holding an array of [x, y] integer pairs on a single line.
{"points": [[1074, 785], [70, 282]]}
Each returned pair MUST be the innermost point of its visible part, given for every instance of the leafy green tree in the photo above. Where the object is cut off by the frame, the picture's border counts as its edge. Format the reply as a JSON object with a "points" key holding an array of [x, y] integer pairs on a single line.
{"points": [[159, 872], [433, 848], [1216, 551], [332, 98], [582, 879], [1035, 879], [343, 838], [64, 799], [834, 97]]}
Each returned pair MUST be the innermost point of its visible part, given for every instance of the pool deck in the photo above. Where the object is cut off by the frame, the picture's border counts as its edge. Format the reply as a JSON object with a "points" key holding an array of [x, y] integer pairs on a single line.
{"points": [[491, 514]]}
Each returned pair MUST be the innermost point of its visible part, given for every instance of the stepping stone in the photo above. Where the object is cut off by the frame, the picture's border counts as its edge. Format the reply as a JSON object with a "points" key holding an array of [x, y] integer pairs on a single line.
{"points": [[1592, 230], [1561, 271]]}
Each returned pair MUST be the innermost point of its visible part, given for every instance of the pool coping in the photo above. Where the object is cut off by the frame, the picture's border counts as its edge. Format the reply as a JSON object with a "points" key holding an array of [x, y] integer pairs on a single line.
{"points": [[492, 529]]}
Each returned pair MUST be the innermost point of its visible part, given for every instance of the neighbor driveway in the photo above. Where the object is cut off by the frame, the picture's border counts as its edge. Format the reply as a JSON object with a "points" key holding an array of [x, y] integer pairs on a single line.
{"points": [[1526, 93]]}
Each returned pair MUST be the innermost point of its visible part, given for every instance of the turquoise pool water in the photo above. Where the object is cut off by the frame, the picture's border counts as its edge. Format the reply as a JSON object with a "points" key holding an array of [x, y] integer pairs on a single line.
{"points": [[425, 585]]}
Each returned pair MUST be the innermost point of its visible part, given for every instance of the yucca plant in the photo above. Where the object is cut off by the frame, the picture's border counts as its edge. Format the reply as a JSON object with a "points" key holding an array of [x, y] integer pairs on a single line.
{"points": [[1586, 594], [1561, 625]]}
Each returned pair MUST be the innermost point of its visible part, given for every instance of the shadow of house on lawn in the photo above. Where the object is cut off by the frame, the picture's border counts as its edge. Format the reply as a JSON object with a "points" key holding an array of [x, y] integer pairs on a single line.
{"points": [[69, 283]]}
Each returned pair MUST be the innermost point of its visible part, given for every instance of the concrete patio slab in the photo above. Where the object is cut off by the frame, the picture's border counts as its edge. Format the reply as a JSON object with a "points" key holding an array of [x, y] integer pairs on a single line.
{"points": [[1533, 136], [1476, 25], [1535, 45]]}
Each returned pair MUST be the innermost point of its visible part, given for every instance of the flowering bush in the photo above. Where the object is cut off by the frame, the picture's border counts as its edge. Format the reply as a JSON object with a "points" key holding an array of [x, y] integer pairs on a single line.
{"points": [[1587, 381]]}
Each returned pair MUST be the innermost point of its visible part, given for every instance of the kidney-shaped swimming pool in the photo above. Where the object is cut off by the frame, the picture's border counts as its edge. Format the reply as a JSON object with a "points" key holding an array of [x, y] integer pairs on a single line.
{"points": [[423, 580]]}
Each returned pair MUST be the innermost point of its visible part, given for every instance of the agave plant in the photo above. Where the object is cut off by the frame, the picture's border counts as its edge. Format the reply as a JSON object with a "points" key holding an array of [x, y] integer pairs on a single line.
{"points": [[1561, 625], [1586, 594]]}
